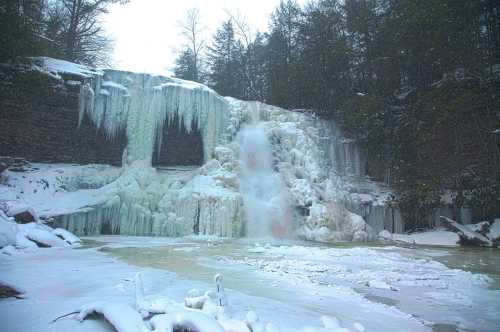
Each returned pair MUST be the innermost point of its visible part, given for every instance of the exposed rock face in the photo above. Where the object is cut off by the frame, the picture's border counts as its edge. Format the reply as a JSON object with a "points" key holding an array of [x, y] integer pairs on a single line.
{"points": [[39, 121], [7, 291], [179, 146], [15, 164], [24, 217]]}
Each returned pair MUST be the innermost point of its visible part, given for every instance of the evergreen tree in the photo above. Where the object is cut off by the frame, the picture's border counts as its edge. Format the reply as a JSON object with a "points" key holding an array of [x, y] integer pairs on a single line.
{"points": [[21, 29], [69, 29], [283, 52], [185, 67], [325, 55], [225, 62], [257, 85]]}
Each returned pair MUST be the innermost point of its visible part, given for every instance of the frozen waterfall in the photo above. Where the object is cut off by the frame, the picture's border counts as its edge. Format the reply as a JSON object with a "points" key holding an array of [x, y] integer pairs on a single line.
{"points": [[266, 171], [264, 193], [143, 105]]}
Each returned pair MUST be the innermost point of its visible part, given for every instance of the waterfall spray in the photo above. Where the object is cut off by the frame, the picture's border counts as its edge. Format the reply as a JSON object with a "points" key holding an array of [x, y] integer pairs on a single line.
{"points": [[264, 193]]}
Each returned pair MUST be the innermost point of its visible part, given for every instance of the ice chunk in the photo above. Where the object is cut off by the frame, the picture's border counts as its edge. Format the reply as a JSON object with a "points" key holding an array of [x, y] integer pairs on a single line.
{"points": [[67, 236]]}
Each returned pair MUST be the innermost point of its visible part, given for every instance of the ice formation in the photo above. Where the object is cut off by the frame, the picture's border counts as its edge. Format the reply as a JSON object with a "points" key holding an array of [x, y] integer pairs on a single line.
{"points": [[165, 315], [142, 105], [263, 190], [307, 180]]}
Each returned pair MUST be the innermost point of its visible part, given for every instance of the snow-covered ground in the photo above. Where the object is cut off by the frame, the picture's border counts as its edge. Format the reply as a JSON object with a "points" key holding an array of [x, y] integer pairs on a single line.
{"points": [[437, 237], [54, 189], [291, 285]]}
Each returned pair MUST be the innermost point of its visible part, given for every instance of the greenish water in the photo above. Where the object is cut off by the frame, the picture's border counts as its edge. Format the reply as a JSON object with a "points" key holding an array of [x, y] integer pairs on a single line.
{"points": [[201, 260], [475, 260], [184, 258]]}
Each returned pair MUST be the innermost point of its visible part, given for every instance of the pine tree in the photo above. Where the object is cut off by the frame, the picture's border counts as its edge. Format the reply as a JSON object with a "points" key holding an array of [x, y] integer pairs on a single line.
{"points": [[185, 67], [257, 86], [224, 62], [21, 29], [325, 55], [283, 51]]}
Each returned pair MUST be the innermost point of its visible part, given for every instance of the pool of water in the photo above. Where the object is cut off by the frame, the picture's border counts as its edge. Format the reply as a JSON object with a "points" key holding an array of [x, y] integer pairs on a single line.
{"points": [[259, 271]]}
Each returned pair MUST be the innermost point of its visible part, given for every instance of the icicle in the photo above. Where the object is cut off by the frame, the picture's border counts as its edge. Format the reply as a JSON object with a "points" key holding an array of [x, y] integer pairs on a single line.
{"points": [[143, 105], [221, 294]]}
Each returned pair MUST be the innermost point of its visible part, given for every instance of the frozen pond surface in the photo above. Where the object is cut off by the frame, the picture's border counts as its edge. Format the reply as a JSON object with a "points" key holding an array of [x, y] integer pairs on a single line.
{"points": [[291, 284], [452, 288]]}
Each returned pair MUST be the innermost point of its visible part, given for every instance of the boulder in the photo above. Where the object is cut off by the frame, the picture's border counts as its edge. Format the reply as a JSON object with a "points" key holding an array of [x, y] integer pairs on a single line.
{"points": [[24, 217]]}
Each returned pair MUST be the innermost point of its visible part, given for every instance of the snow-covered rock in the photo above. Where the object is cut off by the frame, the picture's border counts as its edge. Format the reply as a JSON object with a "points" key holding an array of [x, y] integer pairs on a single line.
{"points": [[42, 236], [32, 235], [494, 231], [385, 235], [436, 237], [66, 236]]}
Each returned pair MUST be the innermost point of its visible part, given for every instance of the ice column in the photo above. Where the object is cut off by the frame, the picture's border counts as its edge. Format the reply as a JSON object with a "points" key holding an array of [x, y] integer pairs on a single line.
{"points": [[264, 193]]}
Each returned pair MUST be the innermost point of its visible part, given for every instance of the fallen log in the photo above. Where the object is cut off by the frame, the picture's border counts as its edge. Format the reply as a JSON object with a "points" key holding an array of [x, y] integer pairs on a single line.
{"points": [[467, 236]]}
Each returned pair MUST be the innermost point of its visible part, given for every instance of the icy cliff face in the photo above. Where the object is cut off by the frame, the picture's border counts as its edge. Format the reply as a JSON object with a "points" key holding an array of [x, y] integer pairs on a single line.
{"points": [[291, 173], [142, 105]]}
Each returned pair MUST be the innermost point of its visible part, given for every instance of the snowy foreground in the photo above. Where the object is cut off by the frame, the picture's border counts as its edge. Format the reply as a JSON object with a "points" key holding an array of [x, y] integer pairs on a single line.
{"points": [[281, 287]]}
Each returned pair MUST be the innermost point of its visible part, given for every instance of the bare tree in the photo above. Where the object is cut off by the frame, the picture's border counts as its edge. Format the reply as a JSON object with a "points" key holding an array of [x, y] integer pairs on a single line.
{"points": [[242, 28], [82, 37], [246, 50], [192, 30]]}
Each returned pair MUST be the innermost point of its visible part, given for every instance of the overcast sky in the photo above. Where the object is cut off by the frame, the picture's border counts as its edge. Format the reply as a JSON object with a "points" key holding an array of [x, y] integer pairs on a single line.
{"points": [[147, 33]]}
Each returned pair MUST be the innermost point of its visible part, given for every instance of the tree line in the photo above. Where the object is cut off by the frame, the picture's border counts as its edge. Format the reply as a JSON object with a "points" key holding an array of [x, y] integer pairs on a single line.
{"points": [[65, 29], [416, 82]]}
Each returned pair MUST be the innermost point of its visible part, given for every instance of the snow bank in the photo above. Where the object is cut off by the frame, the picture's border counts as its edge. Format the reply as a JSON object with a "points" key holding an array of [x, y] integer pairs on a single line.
{"points": [[31, 235], [57, 66], [121, 316], [165, 315], [438, 237]]}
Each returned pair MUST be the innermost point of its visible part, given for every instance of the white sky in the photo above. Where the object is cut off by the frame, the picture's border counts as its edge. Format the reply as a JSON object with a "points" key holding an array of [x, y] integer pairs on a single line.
{"points": [[146, 33]]}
